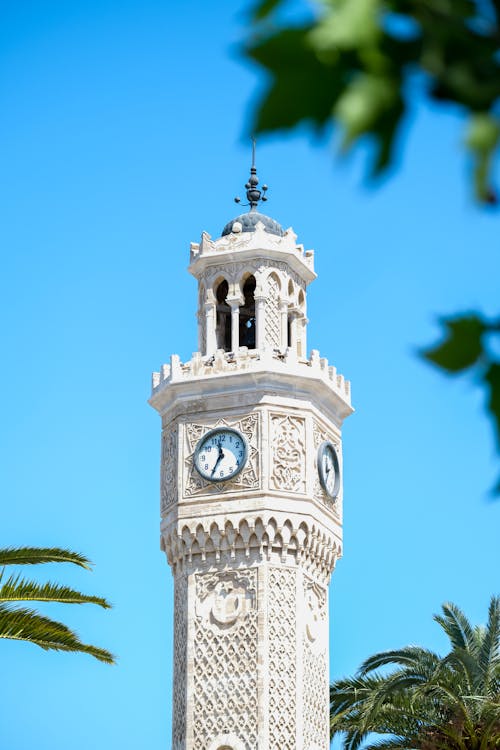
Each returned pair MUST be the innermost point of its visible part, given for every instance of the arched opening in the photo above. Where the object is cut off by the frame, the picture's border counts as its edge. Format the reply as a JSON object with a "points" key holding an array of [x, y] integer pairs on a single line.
{"points": [[247, 314], [223, 324]]}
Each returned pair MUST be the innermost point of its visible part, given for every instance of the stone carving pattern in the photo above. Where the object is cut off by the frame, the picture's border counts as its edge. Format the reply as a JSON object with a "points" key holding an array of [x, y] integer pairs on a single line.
{"points": [[288, 450], [282, 659], [180, 665], [248, 478], [168, 491], [234, 271], [222, 598], [225, 664], [319, 436], [220, 538], [272, 318], [315, 709]]}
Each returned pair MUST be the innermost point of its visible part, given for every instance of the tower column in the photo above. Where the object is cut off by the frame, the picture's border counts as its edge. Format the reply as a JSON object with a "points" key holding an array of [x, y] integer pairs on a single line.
{"points": [[235, 303], [250, 634], [210, 323], [301, 336], [293, 314], [260, 320], [283, 308]]}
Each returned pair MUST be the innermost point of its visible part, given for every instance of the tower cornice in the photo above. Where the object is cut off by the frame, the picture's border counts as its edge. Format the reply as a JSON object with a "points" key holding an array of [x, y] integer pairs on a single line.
{"points": [[247, 370], [252, 247]]}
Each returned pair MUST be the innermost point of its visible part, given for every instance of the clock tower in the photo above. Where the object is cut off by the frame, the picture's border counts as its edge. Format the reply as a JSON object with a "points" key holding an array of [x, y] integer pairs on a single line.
{"points": [[251, 496]]}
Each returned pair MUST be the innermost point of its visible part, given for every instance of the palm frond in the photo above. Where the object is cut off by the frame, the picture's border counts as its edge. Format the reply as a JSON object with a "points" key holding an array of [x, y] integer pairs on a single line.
{"points": [[394, 743], [25, 624], [37, 555], [421, 701], [414, 656], [457, 667], [353, 739], [457, 627], [489, 653], [16, 588]]}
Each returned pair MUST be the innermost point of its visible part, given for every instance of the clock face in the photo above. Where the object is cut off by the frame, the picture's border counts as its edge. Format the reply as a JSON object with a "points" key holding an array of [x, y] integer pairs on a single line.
{"points": [[220, 454], [328, 469]]}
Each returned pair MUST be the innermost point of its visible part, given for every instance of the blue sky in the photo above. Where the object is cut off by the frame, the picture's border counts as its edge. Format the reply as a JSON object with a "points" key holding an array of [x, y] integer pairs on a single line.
{"points": [[122, 138]]}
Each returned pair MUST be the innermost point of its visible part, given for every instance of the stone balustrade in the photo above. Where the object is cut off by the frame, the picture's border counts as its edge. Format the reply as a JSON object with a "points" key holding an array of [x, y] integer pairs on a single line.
{"points": [[251, 359]]}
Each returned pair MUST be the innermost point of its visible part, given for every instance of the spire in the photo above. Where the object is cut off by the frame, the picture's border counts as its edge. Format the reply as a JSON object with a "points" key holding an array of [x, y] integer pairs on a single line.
{"points": [[254, 195]]}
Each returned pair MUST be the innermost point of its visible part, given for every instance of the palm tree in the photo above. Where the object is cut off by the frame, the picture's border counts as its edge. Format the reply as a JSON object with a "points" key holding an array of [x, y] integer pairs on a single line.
{"points": [[426, 701], [23, 624]]}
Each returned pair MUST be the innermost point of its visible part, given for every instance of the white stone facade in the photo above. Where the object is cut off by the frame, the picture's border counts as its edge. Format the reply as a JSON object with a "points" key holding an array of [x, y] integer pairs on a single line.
{"points": [[251, 556]]}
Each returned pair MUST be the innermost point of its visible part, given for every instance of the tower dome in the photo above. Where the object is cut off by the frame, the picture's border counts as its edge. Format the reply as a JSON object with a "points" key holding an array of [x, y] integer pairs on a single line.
{"points": [[248, 221]]}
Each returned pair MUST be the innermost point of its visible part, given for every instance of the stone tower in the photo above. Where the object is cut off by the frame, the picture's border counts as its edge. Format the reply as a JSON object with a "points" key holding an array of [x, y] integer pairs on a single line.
{"points": [[251, 497]]}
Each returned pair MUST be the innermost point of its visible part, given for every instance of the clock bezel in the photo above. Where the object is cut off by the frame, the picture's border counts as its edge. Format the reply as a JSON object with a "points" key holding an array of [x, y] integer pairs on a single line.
{"points": [[210, 434], [325, 445]]}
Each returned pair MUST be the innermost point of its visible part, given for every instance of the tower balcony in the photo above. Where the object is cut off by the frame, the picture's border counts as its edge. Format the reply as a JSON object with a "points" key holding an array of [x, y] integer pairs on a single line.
{"points": [[285, 372]]}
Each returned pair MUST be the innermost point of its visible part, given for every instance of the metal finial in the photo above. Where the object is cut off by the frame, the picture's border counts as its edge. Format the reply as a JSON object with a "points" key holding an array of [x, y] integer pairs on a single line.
{"points": [[254, 195]]}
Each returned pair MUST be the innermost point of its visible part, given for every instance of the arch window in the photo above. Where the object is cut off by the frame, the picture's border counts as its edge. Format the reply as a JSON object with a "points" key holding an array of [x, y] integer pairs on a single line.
{"points": [[223, 324], [247, 314]]}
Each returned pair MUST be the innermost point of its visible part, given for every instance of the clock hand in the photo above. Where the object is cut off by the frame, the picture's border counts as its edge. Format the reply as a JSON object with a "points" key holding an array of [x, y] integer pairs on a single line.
{"points": [[219, 459]]}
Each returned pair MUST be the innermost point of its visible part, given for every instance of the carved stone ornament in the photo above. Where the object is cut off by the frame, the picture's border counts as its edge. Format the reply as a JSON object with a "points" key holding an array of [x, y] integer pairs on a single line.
{"points": [[180, 663], [288, 453], [248, 478], [315, 605], [223, 598], [282, 624], [168, 490], [315, 705], [225, 700], [233, 272]]}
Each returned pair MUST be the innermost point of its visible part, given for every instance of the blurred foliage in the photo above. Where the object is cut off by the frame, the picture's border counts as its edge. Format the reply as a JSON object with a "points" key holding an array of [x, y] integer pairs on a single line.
{"points": [[356, 64], [467, 346]]}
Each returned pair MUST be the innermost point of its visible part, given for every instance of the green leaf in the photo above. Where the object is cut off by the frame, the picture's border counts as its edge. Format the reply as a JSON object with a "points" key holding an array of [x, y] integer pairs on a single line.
{"points": [[37, 555], [264, 8], [482, 139], [302, 87], [350, 24], [462, 346], [492, 378]]}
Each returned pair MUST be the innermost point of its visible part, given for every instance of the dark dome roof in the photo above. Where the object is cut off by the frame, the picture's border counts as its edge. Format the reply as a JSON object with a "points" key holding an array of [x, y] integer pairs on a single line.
{"points": [[248, 222]]}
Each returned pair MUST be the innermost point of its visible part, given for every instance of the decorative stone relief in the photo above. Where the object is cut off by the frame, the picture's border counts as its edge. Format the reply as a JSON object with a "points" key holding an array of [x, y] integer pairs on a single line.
{"points": [[168, 489], [223, 598], [248, 478], [288, 453], [265, 535], [225, 659], [319, 436], [282, 625], [315, 706], [272, 318], [180, 663], [234, 271]]}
